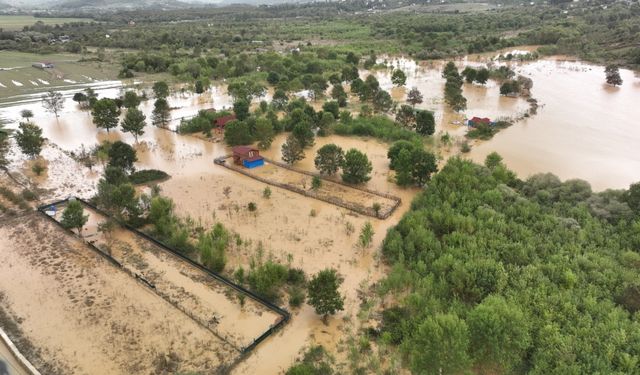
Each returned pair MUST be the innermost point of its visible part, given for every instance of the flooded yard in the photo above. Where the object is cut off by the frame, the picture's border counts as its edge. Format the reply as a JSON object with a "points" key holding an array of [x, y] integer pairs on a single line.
{"points": [[98, 319]]}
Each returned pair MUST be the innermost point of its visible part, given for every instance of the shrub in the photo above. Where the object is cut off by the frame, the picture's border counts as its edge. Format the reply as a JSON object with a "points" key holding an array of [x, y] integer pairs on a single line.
{"points": [[147, 175]]}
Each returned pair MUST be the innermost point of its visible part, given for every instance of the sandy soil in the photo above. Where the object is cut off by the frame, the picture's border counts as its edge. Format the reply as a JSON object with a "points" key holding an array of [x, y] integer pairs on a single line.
{"points": [[98, 320]]}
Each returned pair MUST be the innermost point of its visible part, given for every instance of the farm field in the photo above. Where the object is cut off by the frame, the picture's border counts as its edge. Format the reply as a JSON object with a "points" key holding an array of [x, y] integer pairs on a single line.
{"points": [[18, 22], [99, 320]]}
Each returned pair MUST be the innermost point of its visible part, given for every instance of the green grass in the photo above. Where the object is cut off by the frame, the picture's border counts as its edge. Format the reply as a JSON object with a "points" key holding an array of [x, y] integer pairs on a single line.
{"points": [[18, 22]]}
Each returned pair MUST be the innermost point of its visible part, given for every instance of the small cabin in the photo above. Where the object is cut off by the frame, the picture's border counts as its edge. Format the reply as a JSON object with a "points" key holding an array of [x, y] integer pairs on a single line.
{"points": [[221, 122], [247, 156], [478, 121]]}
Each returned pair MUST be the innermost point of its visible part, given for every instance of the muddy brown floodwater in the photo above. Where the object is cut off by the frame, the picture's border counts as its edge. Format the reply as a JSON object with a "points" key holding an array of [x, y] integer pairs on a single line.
{"points": [[584, 129]]}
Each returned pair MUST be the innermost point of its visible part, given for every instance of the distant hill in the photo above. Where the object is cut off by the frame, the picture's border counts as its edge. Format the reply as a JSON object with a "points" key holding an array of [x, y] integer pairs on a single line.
{"points": [[119, 4]]}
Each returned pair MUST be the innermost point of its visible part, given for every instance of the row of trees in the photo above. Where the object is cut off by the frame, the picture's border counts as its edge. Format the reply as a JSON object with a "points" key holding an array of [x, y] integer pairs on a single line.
{"points": [[453, 88]]}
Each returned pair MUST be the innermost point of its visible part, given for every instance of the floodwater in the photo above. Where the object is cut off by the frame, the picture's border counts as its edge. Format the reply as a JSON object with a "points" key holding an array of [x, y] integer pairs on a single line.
{"points": [[584, 129]]}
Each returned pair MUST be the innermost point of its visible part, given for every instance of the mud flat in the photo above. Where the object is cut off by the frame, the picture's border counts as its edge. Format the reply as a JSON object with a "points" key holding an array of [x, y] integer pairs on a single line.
{"points": [[214, 305], [69, 311]]}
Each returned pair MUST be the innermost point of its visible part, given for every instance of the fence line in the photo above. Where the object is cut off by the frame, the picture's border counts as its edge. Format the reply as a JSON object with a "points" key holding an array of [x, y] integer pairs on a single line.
{"points": [[369, 211], [285, 316]]}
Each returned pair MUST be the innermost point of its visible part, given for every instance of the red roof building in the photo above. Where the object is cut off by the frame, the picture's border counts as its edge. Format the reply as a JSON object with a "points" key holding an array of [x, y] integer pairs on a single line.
{"points": [[478, 120], [222, 121], [247, 156]]}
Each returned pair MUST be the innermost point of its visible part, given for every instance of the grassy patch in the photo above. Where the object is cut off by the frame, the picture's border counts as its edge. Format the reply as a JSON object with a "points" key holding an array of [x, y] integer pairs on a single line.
{"points": [[147, 175]]}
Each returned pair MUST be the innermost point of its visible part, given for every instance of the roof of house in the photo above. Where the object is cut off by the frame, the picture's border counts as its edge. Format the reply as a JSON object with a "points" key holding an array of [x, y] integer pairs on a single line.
{"points": [[243, 150], [481, 120], [222, 121]]}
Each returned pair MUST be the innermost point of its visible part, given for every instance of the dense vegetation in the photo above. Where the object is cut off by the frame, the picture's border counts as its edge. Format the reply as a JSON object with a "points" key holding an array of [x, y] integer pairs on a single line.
{"points": [[603, 30], [509, 276]]}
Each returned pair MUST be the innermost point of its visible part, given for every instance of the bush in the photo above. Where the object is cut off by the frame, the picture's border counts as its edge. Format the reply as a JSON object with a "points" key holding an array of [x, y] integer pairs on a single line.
{"points": [[147, 175], [296, 297]]}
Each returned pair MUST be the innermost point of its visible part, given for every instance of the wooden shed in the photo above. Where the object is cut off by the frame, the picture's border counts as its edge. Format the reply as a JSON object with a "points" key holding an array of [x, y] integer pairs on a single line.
{"points": [[247, 156]]}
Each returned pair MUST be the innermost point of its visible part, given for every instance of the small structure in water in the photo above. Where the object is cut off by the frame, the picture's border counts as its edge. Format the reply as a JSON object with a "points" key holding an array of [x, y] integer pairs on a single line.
{"points": [[476, 121], [247, 156], [221, 122]]}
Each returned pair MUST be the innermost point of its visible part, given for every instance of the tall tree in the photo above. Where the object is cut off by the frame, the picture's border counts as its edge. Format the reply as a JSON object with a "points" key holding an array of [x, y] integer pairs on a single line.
{"points": [[482, 76], [414, 96], [292, 150], [356, 168], [53, 102], [612, 73], [382, 101], [134, 122], [398, 78], [131, 99], [241, 109], [338, 94], [329, 159], [29, 138], [105, 113], [73, 216], [4, 143], [406, 116], [161, 114], [122, 156], [425, 123], [303, 133], [264, 133], [161, 90], [324, 295]]}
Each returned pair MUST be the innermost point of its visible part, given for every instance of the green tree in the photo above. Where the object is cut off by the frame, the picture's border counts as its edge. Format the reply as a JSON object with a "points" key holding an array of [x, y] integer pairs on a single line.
{"points": [[395, 149], [105, 114], [406, 116], [632, 197], [292, 151], [4, 143], [425, 123], [324, 295], [264, 133], [332, 107], [356, 168], [382, 101], [414, 96], [131, 100], [81, 98], [122, 156], [303, 133], [134, 122], [329, 159], [324, 124], [612, 73], [339, 95], [237, 133], [469, 74], [352, 58], [499, 333], [26, 114], [398, 78], [493, 160], [482, 76], [439, 346], [316, 183], [73, 216], [53, 102], [241, 109], [280, 99], [161, 112], [161, 90], [29, 138]]}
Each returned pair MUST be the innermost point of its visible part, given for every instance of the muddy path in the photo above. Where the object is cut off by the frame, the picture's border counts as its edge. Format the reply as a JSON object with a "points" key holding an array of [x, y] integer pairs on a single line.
{"points": [[98, 319]]}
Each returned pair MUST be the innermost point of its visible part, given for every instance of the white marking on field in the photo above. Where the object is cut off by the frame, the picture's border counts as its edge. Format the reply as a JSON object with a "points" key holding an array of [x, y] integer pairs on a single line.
{"points": [[69, 81], [43, 81], [89, 78], [3, 86], [34, 83], [16, 83]]}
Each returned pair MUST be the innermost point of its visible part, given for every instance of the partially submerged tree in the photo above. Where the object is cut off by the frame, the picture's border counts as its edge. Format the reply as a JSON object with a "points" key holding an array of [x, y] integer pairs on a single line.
{"points": [[292, 150], [264, 133], [26, 114], [329, 159], [356, 168], [122, 156], [398, 77], [134, 122], [161, 90], [29, 138], [414, 96], [237, 133], [73, 216], [425, 123], [105, 113], [612, 73], [4, 143], [53, 102], [324, 295], [131, 100], [161, 113]]}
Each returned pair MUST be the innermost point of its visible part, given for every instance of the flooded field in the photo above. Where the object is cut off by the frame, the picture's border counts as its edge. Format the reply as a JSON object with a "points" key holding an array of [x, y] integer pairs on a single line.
{"points": [[99, 320], [584, 129], [194, 292]]}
